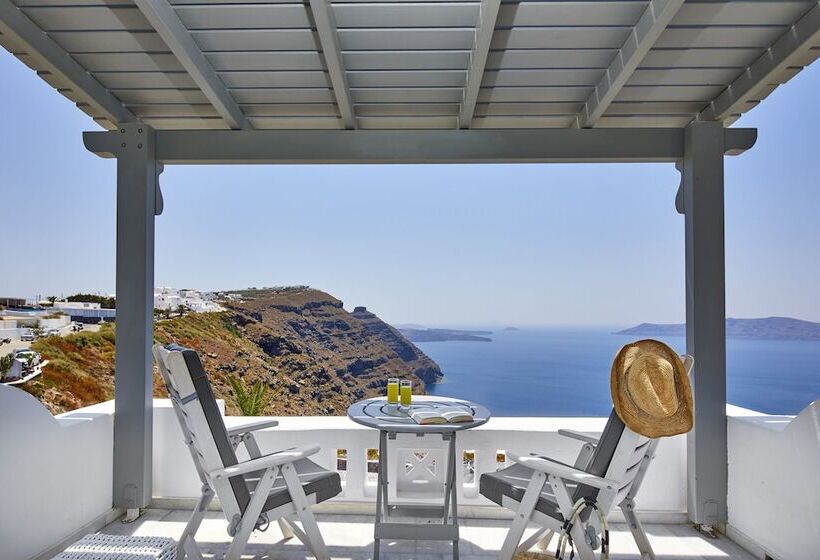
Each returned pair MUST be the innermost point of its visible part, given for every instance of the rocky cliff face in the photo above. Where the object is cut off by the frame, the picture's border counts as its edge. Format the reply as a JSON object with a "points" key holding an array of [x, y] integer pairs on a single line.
{"points": [[320, 358], [424, 368], [315, 357]]}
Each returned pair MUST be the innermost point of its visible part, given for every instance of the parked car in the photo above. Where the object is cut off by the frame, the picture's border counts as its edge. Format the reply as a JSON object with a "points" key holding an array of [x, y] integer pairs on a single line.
{"points": [[27, 336], [5, 340], [77, 327], [53, 332]]}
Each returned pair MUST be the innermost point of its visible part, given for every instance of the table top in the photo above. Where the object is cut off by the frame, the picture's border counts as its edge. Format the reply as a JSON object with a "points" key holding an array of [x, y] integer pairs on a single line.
{"points": [[376, 413]]}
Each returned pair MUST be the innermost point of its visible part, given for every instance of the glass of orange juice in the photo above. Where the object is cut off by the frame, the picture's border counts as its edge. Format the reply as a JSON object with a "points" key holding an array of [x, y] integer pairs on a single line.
{"points": [[406, 392], [393, 390]]}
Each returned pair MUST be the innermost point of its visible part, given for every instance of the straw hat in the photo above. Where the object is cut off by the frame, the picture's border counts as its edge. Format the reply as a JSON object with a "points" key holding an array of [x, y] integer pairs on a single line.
{"points": [[650, 389]]}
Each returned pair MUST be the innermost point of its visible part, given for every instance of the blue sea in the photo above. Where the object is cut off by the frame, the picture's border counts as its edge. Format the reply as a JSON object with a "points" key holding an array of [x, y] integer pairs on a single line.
{"points": [[565, 371]]}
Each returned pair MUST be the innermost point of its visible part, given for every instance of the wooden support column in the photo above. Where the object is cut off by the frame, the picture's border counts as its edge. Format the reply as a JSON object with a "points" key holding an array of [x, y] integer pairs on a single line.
{"points": [[137, 203], [702, 197]]}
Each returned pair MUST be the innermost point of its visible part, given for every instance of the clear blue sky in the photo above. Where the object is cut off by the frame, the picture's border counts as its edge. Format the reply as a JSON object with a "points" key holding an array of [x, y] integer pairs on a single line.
{"points": [[484, 245]]}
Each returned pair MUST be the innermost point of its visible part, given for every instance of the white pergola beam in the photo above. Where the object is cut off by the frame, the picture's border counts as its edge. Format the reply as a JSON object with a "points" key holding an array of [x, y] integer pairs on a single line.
{"points": [[651, 24], [788, 48], [418, 146], [329, 42], [478, 59], [168, 25], [48, 56]]}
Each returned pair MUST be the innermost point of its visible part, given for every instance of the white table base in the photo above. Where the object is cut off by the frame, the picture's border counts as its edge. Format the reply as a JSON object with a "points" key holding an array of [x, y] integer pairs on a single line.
{"points": [[447, 530]]}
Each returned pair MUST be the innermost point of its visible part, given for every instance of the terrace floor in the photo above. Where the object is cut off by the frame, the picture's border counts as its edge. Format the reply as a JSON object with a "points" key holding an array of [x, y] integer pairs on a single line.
{"points": [[350, 537]]}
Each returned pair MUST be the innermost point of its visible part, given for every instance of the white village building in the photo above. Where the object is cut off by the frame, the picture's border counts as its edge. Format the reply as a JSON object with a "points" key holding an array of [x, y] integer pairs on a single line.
{"points": [[172, 298]]}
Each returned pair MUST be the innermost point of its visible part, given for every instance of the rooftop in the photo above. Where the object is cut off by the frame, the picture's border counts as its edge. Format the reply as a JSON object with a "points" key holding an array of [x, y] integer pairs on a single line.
{"points": [[398, 64]]}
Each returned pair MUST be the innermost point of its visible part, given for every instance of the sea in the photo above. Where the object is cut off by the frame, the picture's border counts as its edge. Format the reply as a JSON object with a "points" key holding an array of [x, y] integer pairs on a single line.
{"points": [[565, 371]]}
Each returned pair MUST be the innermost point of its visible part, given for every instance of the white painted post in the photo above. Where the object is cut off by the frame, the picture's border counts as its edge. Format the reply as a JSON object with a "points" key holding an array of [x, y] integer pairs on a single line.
{"points": [[137, 203], [706, 319]]}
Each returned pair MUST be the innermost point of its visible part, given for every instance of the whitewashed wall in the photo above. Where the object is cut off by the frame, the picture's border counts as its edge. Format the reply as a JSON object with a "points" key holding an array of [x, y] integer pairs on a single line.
{"points": [[55, 323], [13, 334], [774, 482], [56, 473]]}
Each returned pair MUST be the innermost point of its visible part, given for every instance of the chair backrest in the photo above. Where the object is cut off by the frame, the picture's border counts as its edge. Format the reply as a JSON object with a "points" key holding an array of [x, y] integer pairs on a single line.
{"points": [[202, 424], [617, 450], [621, 455]]}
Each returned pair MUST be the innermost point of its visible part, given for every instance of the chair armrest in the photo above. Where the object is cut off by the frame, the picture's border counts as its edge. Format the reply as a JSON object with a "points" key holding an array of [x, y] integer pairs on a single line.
{"points": [[252, 427], [265, 462], [566, 472], [592, 440]]}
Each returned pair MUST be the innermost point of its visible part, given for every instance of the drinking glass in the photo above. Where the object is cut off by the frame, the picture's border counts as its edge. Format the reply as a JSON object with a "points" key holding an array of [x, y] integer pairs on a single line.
{"points": [[406, 392], [393, 390]]}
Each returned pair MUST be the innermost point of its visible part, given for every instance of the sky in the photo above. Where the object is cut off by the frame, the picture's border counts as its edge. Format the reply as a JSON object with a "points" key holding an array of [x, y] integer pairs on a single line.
{"points": [[490, 245]]}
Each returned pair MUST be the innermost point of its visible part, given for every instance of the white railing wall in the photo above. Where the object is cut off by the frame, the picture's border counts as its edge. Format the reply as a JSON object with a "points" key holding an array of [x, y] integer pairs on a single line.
{"points": [[417, 465], [774, 482], [55, 474]]}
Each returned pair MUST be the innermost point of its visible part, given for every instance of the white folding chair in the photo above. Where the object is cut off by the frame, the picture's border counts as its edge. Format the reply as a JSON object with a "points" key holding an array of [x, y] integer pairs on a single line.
{"points": [[278, 486], [608, 472]]}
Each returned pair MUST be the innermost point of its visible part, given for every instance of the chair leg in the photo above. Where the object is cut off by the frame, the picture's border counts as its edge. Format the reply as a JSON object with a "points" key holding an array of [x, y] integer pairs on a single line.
{"points": [[565, 506], [251, 515], [635, 527], [187, 544], [522, 516], [191, 550], [305, 513], [585, 551]]}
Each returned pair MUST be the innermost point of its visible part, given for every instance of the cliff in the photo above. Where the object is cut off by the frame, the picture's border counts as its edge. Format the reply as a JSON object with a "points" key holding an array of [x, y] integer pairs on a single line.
{"points": [[315, 357], [424, 368]]}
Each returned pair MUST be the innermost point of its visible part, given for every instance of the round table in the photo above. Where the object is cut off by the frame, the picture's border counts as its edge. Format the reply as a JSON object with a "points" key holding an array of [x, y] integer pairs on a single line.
{"points": [[391, 420]]}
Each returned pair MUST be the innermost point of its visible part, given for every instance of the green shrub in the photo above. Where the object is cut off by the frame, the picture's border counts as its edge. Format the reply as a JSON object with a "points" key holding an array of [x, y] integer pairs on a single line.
{"points": [[5, 364], [229, 325], [249, 402], [105, 302]]}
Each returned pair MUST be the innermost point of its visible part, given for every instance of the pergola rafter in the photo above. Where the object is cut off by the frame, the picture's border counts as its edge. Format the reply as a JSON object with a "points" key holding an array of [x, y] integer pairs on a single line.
{"points": [[329, 42], [167, 24], [652, 23], [478, 60], [789, 48], [46, 53]]}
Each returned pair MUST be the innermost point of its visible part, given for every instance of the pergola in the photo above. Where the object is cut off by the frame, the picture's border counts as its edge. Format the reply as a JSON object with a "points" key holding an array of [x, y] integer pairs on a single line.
{"points": [[403, 81]]}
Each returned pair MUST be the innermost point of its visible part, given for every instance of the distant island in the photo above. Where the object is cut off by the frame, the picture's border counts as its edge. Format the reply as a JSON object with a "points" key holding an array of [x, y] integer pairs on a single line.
{"points": [[511, 329], [423, 334], [408, 326], [768, 328]]}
